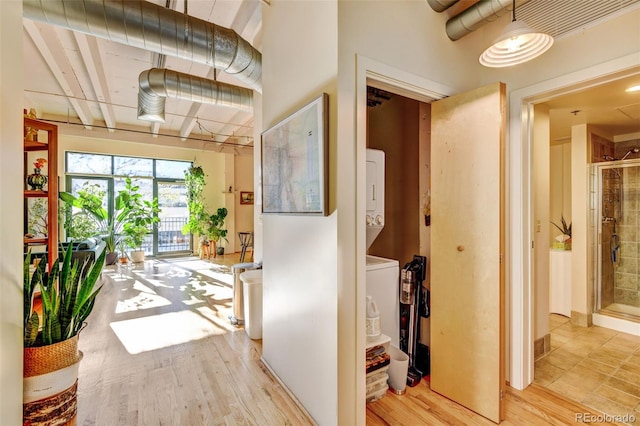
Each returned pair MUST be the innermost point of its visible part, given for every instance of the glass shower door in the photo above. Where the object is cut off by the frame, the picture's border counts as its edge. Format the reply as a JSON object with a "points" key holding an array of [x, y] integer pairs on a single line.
{"points": [[619, 238]]}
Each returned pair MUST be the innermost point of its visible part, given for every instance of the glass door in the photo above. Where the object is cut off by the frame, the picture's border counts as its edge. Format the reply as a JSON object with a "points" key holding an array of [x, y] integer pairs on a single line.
{"points": [[172, 199]]}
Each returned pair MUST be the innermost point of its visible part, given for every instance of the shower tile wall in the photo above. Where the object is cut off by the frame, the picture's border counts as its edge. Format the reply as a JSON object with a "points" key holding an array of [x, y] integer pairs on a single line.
{"points": [[611, 182], [626, 274], [627, 289]]}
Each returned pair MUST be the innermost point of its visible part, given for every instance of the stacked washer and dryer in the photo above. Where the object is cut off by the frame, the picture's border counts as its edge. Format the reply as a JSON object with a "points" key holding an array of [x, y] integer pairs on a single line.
{"points": [[383, 275]]}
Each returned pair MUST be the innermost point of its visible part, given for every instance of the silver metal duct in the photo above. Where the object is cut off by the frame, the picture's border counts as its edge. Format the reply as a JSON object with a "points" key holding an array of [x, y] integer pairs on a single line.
{"points": [[158, 84], [151, 27], [441, 5], [474, 17]]}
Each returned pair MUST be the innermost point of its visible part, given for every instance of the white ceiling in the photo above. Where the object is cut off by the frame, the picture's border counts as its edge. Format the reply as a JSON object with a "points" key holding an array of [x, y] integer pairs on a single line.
{"points": [[607, 106], [81, 79]]}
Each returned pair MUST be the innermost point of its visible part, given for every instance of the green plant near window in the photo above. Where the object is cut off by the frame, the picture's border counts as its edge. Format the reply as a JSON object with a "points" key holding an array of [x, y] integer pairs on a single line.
{"points": [[68, 295], [132, 217], [215, 226], [194, 180], [92, 218], [140, 215]]}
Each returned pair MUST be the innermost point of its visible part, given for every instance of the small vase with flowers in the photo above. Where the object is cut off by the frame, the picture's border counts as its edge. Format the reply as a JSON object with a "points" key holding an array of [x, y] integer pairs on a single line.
{"points": [[37, 180]]}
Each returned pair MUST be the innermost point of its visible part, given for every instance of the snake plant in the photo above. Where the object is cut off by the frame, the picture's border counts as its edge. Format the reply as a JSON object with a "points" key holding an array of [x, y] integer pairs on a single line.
{"points": [[68, 294]]}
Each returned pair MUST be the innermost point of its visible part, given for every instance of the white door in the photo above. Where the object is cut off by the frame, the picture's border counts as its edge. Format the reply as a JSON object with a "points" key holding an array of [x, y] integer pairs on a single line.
{"points": [[467, 246]]}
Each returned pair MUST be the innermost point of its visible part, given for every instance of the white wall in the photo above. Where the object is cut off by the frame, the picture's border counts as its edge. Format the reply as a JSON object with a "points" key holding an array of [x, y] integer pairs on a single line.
{"points": [[243, 183], [300, 318], [580, 220], [11, 178], [541, 219], [560, 190]]}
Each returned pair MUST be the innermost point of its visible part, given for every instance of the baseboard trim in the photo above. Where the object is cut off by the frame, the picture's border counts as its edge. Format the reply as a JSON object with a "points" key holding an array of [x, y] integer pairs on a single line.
{"points": [[542, 346], [583, 320], [286, 389]]}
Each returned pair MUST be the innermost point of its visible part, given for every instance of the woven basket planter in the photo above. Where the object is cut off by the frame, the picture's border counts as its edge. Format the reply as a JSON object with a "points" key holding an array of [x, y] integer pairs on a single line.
{"points": [[50, 383]]}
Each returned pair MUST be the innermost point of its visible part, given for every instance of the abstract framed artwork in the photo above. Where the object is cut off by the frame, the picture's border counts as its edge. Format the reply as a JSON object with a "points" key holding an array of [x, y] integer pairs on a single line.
{"points": [[294, 162]]}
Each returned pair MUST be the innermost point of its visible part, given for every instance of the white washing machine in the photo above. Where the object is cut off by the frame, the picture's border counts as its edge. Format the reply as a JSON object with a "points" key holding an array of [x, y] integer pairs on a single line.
{"points": [[383, 278]]}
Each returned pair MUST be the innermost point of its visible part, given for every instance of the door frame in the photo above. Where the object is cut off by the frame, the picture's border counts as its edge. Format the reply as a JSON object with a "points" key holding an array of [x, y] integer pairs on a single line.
{"points": [[520, 200], [373, 73]]}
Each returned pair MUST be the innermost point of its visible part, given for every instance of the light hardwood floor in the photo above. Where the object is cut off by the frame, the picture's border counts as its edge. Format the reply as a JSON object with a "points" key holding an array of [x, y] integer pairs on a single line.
{"points": [[159, 350]]}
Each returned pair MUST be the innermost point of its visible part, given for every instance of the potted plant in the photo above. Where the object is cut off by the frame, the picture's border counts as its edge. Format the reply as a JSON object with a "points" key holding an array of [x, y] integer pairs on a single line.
{"points": [[130, 212], [216, 231], [563, 241], [140, 216], [67, 295], [194, 179], [93, 219]]}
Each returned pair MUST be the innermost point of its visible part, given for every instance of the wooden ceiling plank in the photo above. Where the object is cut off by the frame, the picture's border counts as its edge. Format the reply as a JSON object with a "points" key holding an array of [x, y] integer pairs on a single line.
{"points": [[92, 58], [47, 43]]}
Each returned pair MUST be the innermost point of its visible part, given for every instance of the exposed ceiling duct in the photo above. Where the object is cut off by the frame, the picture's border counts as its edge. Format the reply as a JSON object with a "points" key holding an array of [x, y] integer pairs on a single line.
{"points": [[476, 16], [441, 5], [154, 28], [158, 84]]}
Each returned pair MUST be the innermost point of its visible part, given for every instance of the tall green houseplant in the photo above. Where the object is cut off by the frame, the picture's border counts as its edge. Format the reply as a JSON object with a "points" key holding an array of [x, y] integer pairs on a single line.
{"points": [[216, 230], [194, 179], [140, 216], [130, 221]]}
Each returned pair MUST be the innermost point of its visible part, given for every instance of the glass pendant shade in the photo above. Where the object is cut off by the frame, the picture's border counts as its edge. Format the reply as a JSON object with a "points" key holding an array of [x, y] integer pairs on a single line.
{"points": [[518, 43]]}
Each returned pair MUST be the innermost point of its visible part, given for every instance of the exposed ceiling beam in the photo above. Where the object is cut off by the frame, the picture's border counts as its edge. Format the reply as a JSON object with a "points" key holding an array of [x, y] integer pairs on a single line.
{"points": [[46, 41], [244, 15], [242, 134], [92, 58], [137, 134]]}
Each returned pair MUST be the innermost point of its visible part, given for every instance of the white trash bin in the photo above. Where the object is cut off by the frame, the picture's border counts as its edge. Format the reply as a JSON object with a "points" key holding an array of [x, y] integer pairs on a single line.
{"points": [[252, 283], [238, 298]]}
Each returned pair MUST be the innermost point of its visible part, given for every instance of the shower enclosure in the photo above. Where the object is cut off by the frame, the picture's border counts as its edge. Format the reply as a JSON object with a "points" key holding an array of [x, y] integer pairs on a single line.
{"points": [[616, 221]]}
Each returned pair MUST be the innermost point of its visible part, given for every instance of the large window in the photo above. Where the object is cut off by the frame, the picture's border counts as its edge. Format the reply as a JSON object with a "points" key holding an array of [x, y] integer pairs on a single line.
{"points": [[157, 178]]}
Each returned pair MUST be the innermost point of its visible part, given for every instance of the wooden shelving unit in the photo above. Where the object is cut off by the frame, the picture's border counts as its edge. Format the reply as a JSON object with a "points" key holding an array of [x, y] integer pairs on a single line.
{"points": [[47, 141]]}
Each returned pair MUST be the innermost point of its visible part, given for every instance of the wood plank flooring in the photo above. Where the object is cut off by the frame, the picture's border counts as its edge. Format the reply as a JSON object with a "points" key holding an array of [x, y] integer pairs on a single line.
{"points": [[421, 406], [159, 350]]}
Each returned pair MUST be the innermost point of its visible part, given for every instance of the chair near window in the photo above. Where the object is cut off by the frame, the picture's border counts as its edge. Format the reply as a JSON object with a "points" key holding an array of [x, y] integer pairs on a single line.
{"points": [[246, 241]]}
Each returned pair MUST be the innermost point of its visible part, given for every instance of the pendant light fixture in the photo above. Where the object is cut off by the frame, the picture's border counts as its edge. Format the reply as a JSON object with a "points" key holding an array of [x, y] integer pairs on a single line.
{"points": [[518, 43]]}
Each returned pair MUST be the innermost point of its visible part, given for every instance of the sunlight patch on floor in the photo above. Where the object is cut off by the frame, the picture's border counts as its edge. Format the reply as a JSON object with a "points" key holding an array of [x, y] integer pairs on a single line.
{"points": [[224, 277], [146, 299], [164, 330]]}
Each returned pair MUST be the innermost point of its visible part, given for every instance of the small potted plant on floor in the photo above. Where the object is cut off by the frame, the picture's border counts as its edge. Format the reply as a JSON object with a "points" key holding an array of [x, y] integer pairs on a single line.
{"points": [[216, 231]]}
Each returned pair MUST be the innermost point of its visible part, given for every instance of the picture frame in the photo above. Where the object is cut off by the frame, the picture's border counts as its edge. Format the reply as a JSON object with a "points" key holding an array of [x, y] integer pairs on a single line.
{"points": [[246, 197], [295, 162]]}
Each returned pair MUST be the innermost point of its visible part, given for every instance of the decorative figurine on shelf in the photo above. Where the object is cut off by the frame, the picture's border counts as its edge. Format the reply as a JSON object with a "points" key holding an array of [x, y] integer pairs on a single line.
{"points": [[37, 180], [30, 133]]}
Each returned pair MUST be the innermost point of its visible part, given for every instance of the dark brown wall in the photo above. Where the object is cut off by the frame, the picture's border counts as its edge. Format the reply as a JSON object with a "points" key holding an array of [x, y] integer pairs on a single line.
{"points": [[393, 128]]}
